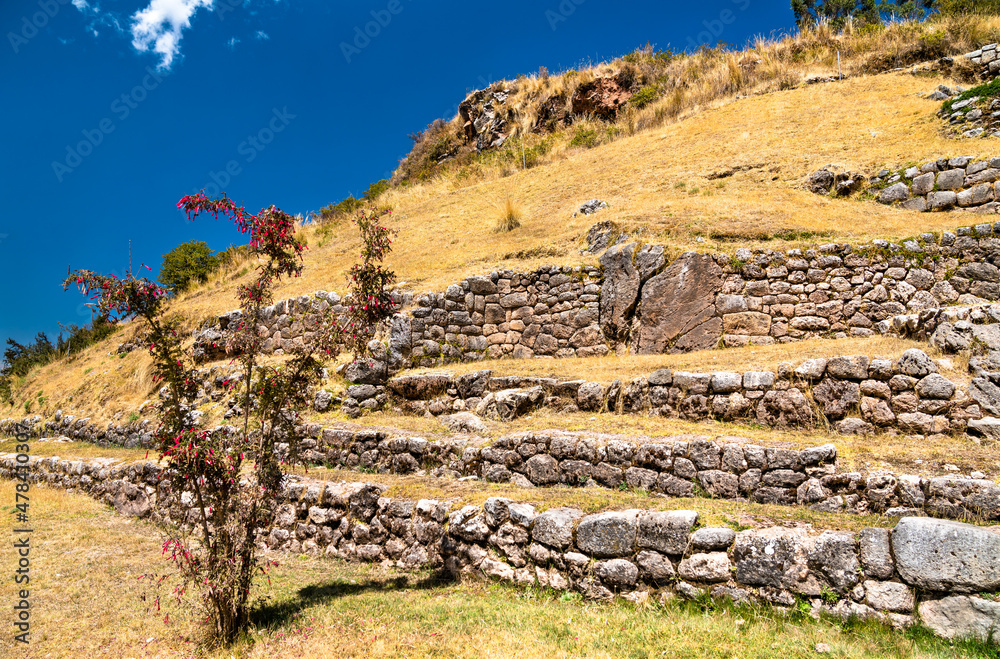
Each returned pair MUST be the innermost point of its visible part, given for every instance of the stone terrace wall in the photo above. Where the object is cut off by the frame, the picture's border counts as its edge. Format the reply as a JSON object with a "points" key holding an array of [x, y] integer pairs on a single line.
{"points": [[697, 302], [552, 312], [943, 184], [637, 554], [684, 465], [854, 394]]}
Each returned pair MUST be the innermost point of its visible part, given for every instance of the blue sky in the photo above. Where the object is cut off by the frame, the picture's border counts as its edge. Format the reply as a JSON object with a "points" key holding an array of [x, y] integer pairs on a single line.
{"points": [[114, 109]]}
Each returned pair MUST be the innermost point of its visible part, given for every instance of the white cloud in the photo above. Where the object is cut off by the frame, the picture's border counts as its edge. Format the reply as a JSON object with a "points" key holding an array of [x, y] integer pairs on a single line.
{"points": [[232, 43], [158, 27], [262, 35], [80, 4]]}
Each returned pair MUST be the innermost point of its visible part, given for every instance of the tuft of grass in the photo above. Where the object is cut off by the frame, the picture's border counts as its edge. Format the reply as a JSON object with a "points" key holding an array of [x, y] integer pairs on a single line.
{"points": [[509, 217]]}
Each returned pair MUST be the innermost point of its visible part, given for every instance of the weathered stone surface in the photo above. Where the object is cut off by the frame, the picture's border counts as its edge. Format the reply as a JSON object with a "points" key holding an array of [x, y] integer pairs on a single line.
{"points": [[666, 532], [555, 527], [752, 323], [876, 556], [473, 385], [419, 387], [811, 369], [679, 303], [962, 617], [617, 573], [854, 367], [941, 200], [936, 386], [948, 340], [894, 193], [986, 394], [508, 404], [915, 363], [785, 409], [711, 567], [608, 534], [944, 555], [834, 556], [774, 557], [590, 396], [836, 397], [542, 469], [713, 538], [620, 291], [465, 422], [889, 596], [655, 567]]}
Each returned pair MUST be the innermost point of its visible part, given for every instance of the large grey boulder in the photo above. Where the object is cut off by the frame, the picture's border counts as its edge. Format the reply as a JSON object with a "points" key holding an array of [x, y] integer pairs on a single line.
{"points": [[473, 385], [509, 404], [962, 617], [785, 409], [776, 557], [666, 532], [710, 567], [465, 422], [889, 596], [420, 387], [617, 573], [894, 193], [555, 527], [620, 291], [678, 307], [608, 534], [915, 363], [945, 555]]}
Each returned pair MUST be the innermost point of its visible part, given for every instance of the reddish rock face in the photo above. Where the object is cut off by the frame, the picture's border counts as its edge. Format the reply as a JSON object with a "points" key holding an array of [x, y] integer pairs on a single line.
{"points": [[602, 98]]}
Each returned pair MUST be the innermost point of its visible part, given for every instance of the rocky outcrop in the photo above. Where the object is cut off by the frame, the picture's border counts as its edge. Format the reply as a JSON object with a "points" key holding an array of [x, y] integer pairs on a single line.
{"points": [[601, 98], [485, 118]]}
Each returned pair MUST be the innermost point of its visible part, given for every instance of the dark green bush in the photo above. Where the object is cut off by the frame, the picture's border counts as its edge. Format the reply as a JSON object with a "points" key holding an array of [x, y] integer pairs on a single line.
{"points": [[186, 264]]}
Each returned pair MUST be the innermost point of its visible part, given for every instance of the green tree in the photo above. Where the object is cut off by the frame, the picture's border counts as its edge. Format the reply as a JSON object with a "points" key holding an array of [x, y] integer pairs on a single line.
{"points": [[187, 263], [837, 12], [952, 7]]}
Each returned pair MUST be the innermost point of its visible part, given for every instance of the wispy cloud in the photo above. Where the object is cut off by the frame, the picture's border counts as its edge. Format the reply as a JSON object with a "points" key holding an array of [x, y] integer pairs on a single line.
{"points": [[158, 27], [261, 35], [231, 44]]}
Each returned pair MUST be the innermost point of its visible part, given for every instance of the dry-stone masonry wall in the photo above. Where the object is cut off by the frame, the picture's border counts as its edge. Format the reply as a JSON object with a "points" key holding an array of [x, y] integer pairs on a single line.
{"points": [[552, 312], [943, 184], [941, 573], [685, 466], [640, 302], [854, 394]]}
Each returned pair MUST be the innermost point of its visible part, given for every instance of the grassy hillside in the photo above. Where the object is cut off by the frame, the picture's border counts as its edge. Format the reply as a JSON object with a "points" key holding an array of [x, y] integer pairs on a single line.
{"points": [[765, 124]]}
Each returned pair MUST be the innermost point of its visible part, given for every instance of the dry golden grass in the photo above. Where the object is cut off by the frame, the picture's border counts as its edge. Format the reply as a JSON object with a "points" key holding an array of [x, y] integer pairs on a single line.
{"points": [[89, 601], [626, 367]]}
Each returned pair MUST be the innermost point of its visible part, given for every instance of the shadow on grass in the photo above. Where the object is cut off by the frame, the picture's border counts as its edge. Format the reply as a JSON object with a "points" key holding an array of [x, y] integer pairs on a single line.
{"points": [[275, 614]]}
